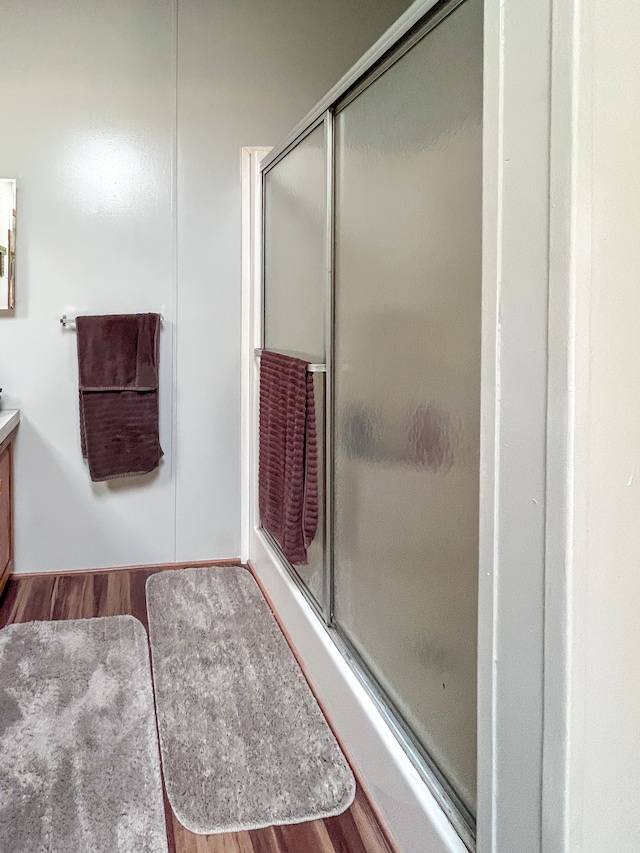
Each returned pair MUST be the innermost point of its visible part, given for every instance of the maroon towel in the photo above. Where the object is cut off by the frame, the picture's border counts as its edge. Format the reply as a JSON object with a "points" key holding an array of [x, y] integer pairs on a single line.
{"points": [[118, 384], [288, 465]]}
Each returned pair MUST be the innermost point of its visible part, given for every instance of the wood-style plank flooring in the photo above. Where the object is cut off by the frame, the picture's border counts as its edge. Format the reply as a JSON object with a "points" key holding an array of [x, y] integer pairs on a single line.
{"points": [[82, 595]]}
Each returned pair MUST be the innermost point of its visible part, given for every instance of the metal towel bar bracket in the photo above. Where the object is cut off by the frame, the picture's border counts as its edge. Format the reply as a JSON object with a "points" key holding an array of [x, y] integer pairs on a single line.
{"points": [[311, 368], [70, 322]]}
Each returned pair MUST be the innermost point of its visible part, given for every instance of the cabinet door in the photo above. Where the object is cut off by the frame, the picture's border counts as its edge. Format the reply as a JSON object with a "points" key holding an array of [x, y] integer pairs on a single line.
{"points": [[5, 509]]}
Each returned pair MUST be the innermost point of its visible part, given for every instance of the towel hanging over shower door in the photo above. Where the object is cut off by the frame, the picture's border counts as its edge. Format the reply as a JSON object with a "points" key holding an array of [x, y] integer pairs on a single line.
{"points": [[288, 463]]}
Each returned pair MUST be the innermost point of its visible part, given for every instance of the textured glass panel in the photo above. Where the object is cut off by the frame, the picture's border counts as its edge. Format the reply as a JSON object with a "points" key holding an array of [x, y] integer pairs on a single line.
{"points": [[295, 281], [295, 286], [407, 385]]}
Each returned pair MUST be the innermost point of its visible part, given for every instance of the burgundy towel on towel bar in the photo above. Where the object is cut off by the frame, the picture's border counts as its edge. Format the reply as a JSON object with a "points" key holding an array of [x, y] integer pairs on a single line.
{"points": [[118, 383], [288, 463]]}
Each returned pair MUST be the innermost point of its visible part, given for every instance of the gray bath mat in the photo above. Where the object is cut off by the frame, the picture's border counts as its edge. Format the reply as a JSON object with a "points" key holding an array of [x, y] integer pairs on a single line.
{"points": [[243, 741], [79, 763]]}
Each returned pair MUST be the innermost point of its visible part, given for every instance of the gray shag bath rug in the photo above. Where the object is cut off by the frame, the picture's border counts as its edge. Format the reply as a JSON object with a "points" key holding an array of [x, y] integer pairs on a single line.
{"points": [[244, 743], [79, 763]]}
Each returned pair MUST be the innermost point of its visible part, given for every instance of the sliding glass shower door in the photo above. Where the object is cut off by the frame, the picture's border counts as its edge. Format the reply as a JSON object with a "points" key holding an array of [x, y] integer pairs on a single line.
{"points": [[372, 265], [295, 288], [408, 166]]}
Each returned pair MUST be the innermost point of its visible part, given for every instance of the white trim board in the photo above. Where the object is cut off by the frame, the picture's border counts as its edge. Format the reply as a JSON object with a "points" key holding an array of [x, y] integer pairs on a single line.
{"points": [[250, 187], [513, 477]]}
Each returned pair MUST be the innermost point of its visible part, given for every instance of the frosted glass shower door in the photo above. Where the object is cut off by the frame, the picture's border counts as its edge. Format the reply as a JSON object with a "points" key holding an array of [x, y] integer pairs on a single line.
{"points": [[408, 165], [295, 287]]}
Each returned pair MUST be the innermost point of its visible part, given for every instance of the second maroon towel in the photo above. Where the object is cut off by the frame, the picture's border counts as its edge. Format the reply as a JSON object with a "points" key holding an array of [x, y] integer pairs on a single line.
{"points": [[118, 383], [288, 464]]}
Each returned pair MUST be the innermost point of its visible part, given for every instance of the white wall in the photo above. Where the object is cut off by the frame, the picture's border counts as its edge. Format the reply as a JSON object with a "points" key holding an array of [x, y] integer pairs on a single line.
{"points": [[604, 708], [90, 89], [127, 123]]}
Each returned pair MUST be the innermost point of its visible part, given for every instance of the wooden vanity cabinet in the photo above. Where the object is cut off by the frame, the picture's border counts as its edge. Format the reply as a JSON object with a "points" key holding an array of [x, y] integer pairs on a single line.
{"points": [[6, 510]]}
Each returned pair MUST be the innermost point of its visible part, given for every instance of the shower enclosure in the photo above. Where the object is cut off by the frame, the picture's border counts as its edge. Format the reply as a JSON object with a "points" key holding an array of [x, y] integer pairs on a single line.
{"points": [[371, 249]]}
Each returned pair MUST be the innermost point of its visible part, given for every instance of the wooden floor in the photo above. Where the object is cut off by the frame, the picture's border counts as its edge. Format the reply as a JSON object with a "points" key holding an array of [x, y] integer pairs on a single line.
{"points": [[87, 594]]}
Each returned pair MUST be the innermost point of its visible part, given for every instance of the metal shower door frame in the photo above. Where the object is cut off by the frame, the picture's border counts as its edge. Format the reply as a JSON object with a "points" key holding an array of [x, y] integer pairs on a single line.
{"points": [[398, 41]]}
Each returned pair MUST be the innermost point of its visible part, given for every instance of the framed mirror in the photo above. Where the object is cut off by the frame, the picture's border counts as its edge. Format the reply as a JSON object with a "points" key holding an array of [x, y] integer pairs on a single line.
{"points": [[7, 244]]}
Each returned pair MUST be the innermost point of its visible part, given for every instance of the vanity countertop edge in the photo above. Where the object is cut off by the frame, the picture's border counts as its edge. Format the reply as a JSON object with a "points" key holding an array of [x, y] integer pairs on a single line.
{"points": [[9, 420]]}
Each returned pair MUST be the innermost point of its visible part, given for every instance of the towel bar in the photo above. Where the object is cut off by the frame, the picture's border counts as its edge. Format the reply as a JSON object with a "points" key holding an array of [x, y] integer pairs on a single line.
{"points": [[70, 322], [311, 368]]}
